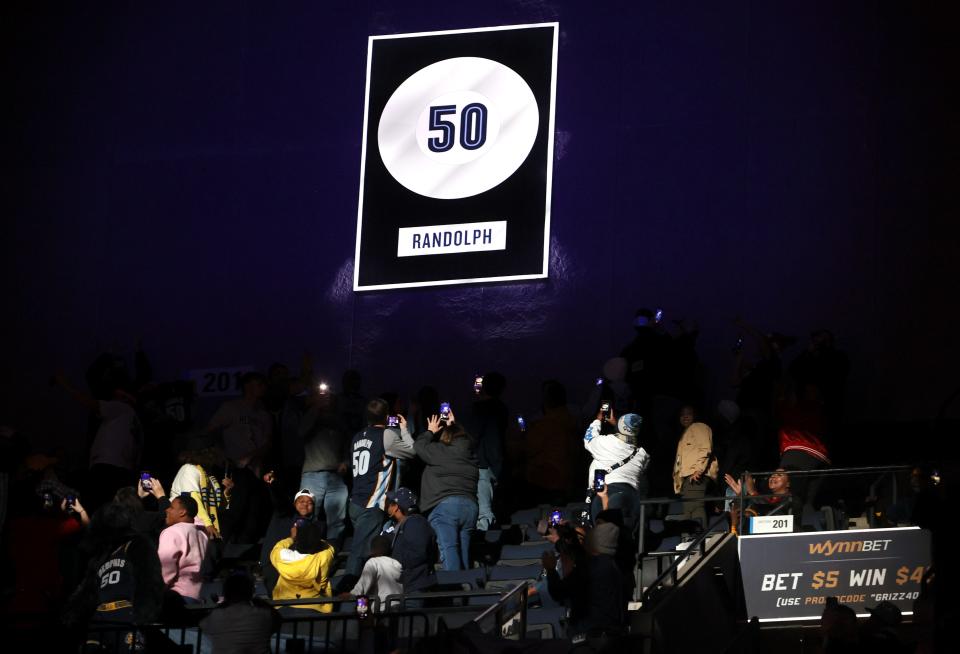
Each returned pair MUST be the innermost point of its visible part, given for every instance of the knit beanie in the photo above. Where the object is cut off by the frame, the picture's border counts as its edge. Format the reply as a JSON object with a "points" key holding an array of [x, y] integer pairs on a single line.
{"points": [[602, 539]]}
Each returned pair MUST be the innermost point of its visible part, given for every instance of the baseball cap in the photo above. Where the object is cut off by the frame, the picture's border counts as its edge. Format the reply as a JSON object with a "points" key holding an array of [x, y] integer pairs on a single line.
{"points": [[629, 426], [404, 498], [304, 492]]}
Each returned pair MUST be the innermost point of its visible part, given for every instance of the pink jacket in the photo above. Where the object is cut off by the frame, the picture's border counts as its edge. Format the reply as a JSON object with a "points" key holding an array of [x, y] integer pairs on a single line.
{"points": [[181, 551]]}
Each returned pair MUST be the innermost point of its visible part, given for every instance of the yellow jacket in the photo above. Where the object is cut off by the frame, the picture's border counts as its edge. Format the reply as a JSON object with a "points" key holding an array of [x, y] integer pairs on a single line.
{"points": [[302, 575], [693, 454]]}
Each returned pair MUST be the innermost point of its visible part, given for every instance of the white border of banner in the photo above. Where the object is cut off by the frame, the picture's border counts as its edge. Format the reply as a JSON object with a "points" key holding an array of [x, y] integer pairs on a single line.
{"points": [[808, 533], [550, 135]]}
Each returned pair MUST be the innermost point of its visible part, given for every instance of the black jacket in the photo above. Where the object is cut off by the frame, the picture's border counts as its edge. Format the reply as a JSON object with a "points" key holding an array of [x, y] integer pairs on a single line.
{"points": [[487, 423], [593, 593], [245, 517], [148, 584], [415, 547]]}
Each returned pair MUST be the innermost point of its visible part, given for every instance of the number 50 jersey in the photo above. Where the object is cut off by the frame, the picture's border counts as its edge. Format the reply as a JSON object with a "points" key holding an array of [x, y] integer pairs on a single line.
{"points": [[374, 472]]}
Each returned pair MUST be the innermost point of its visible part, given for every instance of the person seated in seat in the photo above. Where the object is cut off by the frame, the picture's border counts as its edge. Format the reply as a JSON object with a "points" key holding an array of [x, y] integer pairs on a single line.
{"points": [[568, 546], [122, 585], [241, 624], [414, 542], [285, 513], [381, 573], [779, 485], [303, 562], [592, 586], [182, 548]]}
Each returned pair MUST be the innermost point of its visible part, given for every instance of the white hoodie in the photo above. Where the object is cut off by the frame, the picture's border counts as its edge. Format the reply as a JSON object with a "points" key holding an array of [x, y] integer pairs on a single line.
{"points": [[607, 450], [380, 577]]}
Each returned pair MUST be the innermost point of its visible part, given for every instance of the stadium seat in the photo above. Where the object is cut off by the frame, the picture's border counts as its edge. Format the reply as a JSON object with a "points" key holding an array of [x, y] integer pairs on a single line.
{"points": [[514, 573], [483, 600], [531, 535], [526, 517], [546, 621], [449, 621], [524, 554], [674, 510], [812, 519], [461, 579]]}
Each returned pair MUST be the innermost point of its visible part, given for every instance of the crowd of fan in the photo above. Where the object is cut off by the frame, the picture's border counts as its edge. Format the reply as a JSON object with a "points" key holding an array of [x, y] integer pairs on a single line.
{"points": [[296, 465]]}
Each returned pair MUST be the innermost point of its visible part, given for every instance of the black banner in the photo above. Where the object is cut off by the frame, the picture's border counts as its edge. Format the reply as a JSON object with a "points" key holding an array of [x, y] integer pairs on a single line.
{"points": [[790, 576], [457, 153]]}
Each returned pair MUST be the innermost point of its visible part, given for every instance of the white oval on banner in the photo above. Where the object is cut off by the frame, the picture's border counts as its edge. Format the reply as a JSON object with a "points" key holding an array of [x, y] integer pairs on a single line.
{"points": [[458, 127]]}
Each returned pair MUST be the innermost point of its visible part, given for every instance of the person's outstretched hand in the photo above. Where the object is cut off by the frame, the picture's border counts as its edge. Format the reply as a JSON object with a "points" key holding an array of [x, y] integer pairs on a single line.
{"points": [[604, 496], [433, 424], [157, 489], [734, 484], [612, 419]]}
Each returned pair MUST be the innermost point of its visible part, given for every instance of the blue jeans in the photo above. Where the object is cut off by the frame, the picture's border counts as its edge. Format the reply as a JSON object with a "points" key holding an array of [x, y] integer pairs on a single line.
{"points": [[621, 496], [367, 523], [485, 498], [330, 493], [453, 520]]}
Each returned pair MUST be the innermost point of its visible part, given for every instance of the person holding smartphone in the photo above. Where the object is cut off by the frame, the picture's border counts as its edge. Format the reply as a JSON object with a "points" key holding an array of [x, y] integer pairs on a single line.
{"points": [[374, 454], [620, 455], [487, 423], [449, 488], [303, 563]]}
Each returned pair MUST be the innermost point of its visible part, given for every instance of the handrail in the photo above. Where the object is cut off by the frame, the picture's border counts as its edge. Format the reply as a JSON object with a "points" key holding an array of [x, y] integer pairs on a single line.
{"points": [[401, 598], [834, 471], [818, 472], [311, 627], [671, 500], [521, 590], [682, 555], [641, 525]]}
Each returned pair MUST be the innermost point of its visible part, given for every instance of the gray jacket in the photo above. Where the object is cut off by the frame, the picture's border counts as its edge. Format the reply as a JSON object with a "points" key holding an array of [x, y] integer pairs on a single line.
{"points": [[451, 469]]}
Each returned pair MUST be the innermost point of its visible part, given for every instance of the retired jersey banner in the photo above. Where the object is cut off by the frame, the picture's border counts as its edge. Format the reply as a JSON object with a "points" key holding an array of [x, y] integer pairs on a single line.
{"points": [[790, 576], [457, 155]]}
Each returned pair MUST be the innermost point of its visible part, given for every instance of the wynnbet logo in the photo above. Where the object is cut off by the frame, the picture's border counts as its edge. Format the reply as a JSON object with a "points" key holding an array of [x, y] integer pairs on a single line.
{"points": [[829, 547]]}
